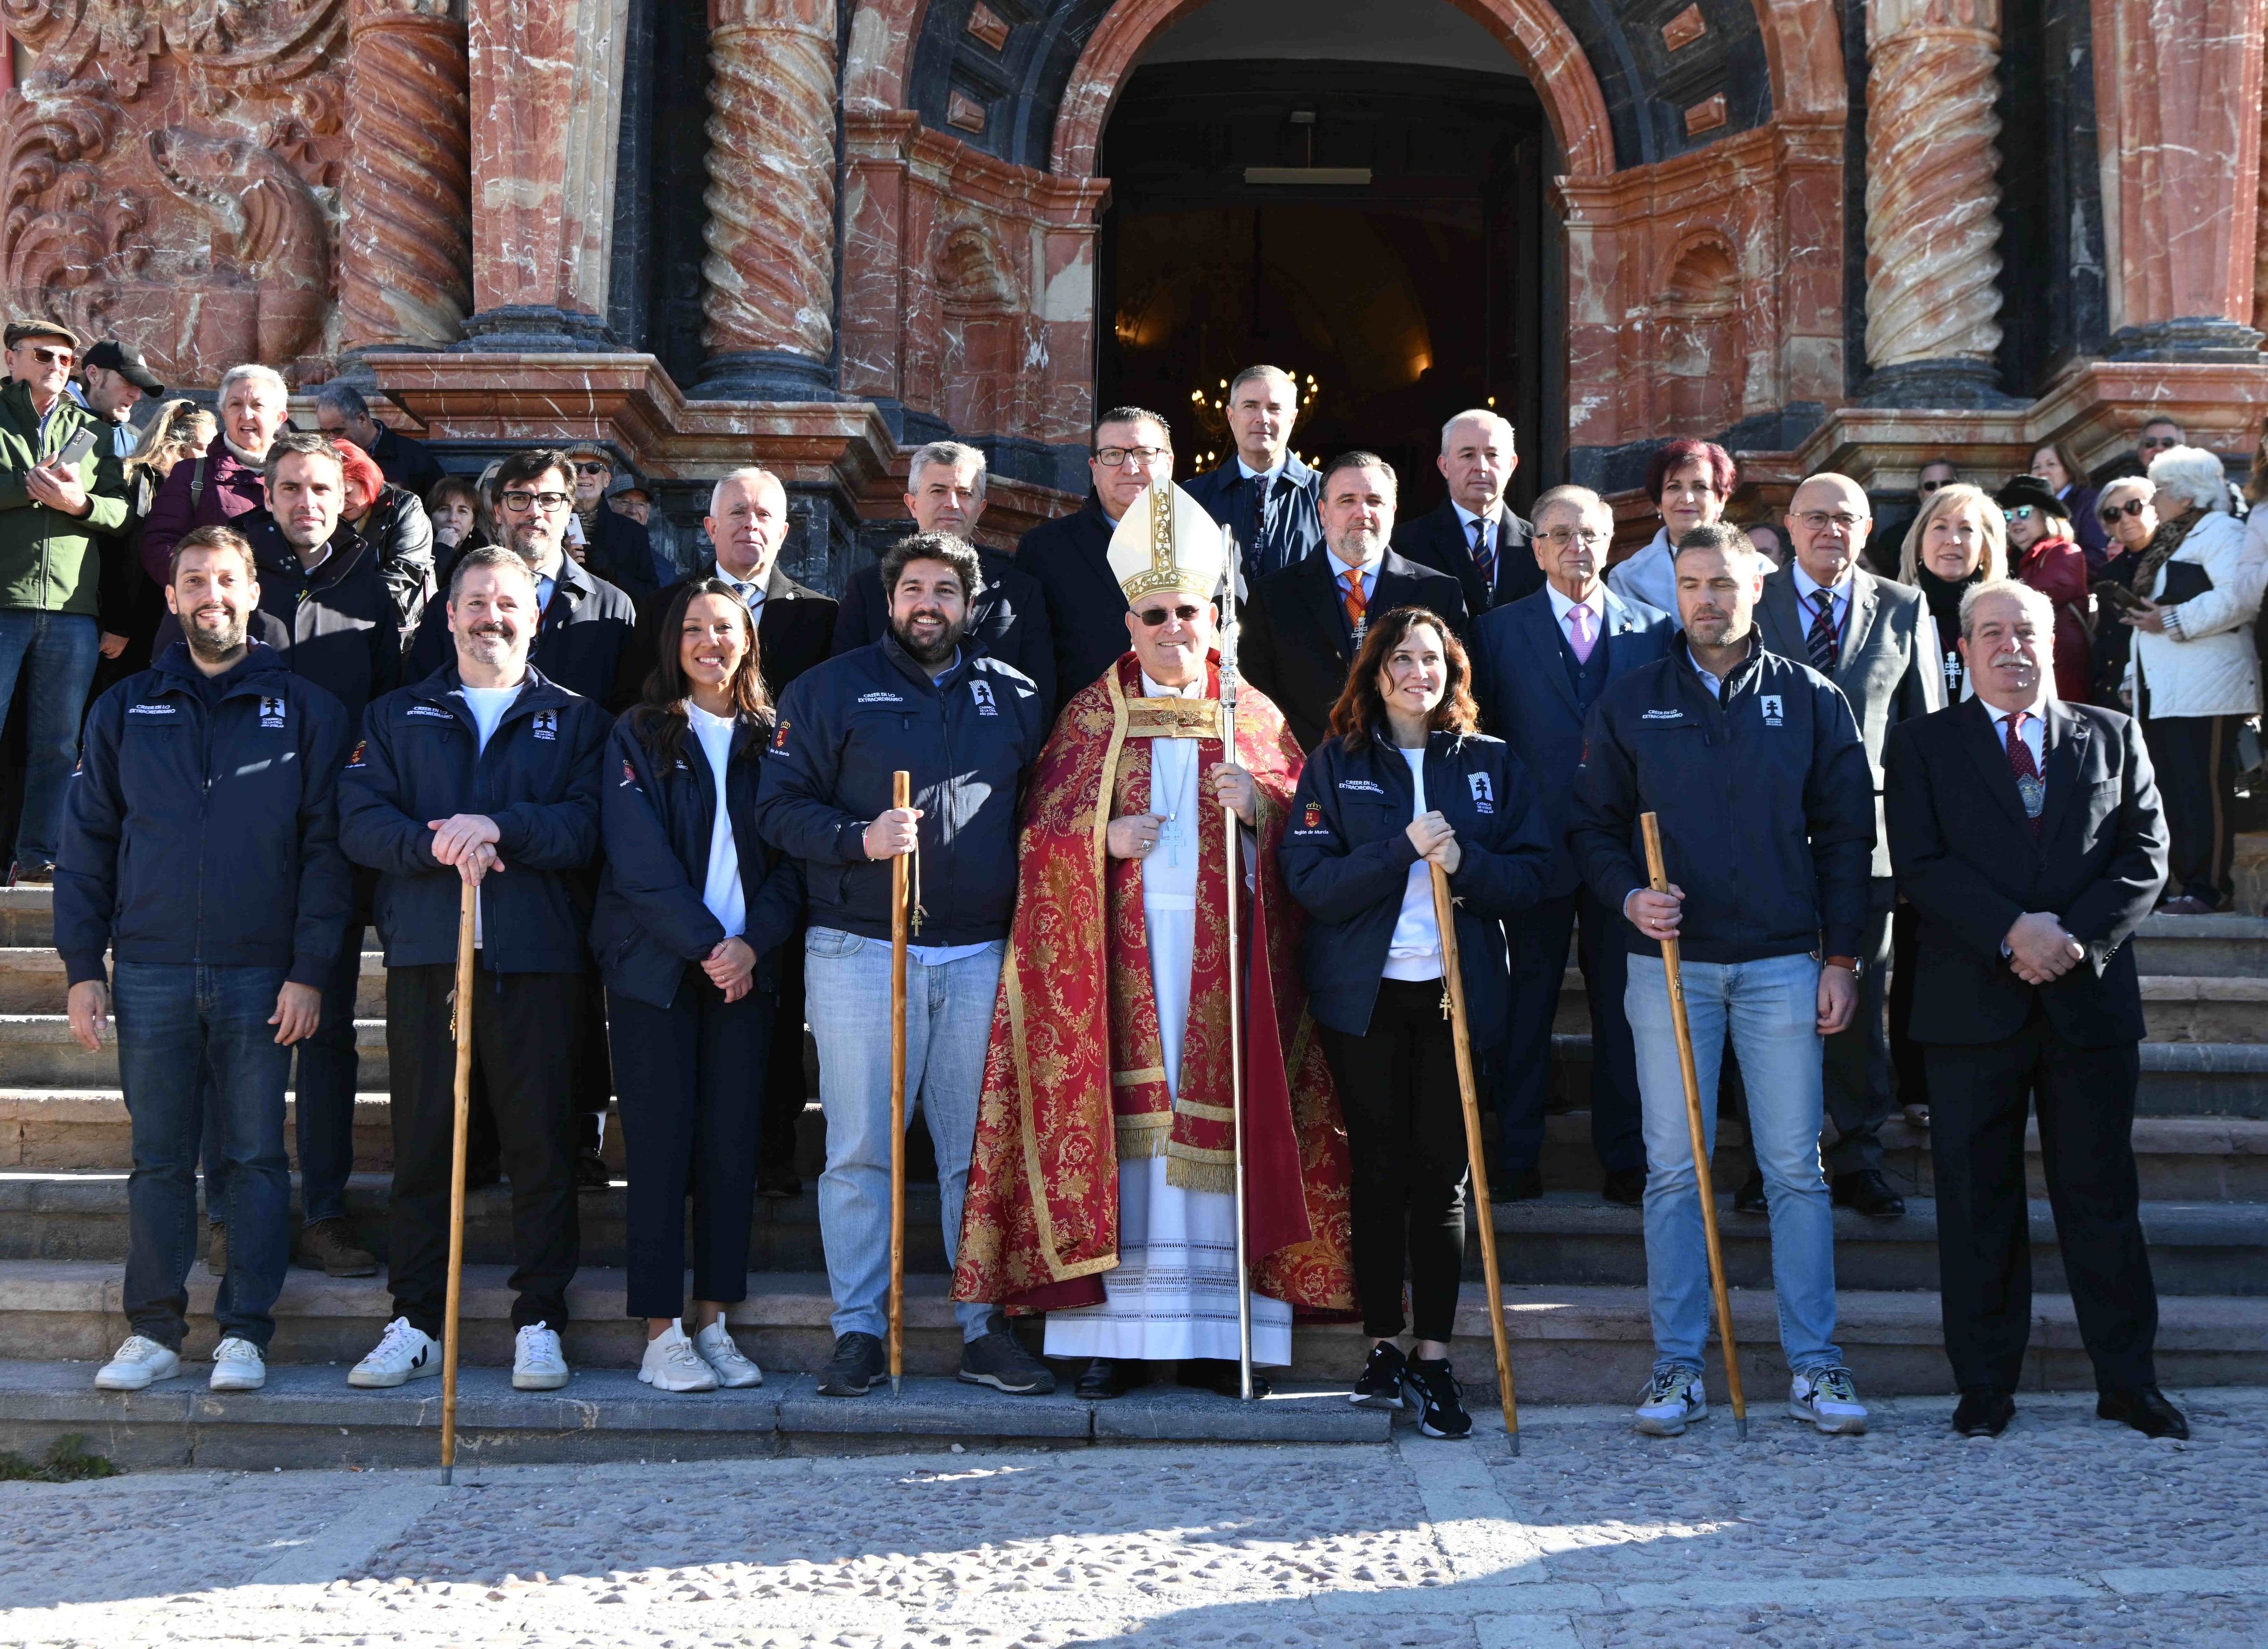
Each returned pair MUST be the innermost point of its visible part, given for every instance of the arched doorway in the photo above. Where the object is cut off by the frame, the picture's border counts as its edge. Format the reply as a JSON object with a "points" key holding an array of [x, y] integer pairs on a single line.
{"points": [[1368, 212]]}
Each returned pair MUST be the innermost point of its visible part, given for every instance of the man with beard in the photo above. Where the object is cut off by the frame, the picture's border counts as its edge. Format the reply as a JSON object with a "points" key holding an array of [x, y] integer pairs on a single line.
{"points": [[1756, 769], [222, 767], [485, 772], [967, 728]]}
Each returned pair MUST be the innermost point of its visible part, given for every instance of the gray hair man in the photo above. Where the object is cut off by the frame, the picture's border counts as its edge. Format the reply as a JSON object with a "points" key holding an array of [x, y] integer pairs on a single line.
{"points": [[1263, 492], [1476, 535], [341, 410]]}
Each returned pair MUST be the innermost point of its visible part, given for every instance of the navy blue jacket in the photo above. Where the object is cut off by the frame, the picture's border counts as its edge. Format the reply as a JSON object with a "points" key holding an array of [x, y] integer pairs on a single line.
{"points": [[1008, 620], [538, 779], [1347, 853], [1766, 803], [340, 622], [1521, 679], [651, 925], [207, 835], [844, 727], [579, 644], [1295, 533]]}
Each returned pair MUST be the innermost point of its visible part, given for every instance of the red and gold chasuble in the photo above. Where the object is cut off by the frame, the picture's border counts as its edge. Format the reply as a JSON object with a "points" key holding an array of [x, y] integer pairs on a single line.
{"points": [[1074, 1077]]}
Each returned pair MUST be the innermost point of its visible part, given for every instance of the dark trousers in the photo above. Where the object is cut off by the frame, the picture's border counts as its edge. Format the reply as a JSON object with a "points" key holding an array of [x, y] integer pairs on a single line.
{"points": [[525, 1041], [329, 1068], [786, 1088], [1906, 1055], [1406, 1134], [175, 1024], [692, 1080], [2196, 760], [595, 1071], [1856, 1068], [1538, 937], [2085, 1098]]}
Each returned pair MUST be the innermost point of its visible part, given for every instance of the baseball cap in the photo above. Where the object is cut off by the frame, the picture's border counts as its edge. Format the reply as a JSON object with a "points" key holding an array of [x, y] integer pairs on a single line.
{"points": [[125, 360]]}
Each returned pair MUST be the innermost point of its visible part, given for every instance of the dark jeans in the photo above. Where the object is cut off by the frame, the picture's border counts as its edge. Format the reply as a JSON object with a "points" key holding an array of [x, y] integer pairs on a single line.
{"points": [[2196, 760], [175, 1022], [1406, 1134], [692, 1078], [329, 1068], [2085, 1098], [1539, 936], [525, 1040], [1856, 1064], [56, 653]]}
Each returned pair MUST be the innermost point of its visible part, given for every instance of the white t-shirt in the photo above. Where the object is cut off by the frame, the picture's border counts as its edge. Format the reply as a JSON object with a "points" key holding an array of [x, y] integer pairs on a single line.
{"points": [[489, 705], [721, 889], [1415, 950]]}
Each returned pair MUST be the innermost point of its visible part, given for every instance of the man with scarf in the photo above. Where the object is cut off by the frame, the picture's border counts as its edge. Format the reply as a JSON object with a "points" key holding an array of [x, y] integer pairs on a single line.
{"points": [[1102, 1189]]}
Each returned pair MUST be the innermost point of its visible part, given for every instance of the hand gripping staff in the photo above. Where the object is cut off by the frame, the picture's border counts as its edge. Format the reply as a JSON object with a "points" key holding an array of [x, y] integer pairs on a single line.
{"points": [[460, 1023], [1453, 1005], [1235, 881], [1660, 882]]}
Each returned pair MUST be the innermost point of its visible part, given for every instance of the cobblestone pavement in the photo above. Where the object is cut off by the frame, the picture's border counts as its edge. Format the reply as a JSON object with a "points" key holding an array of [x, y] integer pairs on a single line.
{"points": [[2066, 1531]]}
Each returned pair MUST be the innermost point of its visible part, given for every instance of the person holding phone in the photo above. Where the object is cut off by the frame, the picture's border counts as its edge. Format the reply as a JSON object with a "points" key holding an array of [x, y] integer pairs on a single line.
{"points": [[61, 488]]}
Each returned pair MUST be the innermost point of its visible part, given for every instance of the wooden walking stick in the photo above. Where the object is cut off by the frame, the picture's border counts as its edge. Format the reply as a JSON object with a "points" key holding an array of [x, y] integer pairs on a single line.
{"points": [[901, 797], [460, 1023], [1670, 966], [1468, 1090]]}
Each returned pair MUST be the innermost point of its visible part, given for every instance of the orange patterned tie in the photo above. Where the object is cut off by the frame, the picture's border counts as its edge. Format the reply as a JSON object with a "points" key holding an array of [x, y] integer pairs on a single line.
{"points": [[1354, 600]]}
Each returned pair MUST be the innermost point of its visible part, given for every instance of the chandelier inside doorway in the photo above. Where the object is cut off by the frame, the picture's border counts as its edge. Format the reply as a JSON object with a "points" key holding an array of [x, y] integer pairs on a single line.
{"points": [[1209, 407]]}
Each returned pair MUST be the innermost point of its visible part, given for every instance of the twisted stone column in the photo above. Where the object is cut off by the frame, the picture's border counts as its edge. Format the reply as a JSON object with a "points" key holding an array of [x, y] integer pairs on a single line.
{"points": [[1932, 202], [406, 251], [768, 297]]}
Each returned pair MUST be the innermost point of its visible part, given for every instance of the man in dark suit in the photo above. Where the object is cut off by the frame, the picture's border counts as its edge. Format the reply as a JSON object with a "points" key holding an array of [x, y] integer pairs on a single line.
{"points": [[945, 493], [1475, 534], [1539, 664], [616, 547], [1875, 640], [1264, 493], [340, 409], [2028, 834], [1303, 626], [1070, 556]]}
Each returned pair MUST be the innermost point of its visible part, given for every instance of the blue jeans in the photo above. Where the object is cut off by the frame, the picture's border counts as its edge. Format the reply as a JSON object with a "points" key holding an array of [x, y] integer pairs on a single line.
{"points": [[329, 1069], [63, 650], [1771, 1010], [174, 1023], [948, 1022]]}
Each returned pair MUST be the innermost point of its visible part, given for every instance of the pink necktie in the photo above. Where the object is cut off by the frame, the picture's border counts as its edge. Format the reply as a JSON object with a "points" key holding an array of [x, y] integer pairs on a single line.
{"points": [[1579, 620]]}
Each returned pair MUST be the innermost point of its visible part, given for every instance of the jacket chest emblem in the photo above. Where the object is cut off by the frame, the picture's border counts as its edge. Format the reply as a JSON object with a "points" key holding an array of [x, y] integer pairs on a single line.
{"points": [[981, 692], [1774, 714], [545, 725], [271, 710], [1483, 793], [1362, 786]]}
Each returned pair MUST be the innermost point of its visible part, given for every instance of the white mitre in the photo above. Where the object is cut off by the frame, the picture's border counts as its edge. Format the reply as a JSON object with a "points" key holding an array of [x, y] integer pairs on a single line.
{"points": [[1166, 545]]}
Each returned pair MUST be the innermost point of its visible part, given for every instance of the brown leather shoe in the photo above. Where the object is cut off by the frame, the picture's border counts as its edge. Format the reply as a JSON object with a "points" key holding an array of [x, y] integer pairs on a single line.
{"points": [[329, 1245]]}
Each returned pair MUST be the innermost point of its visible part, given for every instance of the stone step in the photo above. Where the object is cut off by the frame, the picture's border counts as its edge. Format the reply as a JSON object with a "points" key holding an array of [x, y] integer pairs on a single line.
{"points": [[2181, 1159], [32, 982], [37, 1051], [1566, 1239], [2222, 947], [1570, 1344]]}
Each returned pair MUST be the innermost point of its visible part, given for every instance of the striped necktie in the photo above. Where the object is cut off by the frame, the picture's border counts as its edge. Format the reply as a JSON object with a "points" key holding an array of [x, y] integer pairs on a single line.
{"points": [[1484, 555], [1822, 640]]}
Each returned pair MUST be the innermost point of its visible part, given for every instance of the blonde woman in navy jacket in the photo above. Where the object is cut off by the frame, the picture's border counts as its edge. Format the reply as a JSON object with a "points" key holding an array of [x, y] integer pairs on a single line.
{"points": [[691, 907], [1402, 779]]}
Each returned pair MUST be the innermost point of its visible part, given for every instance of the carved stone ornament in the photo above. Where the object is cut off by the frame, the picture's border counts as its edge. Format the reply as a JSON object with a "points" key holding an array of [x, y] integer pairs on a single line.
{"points": [[173, 172]]}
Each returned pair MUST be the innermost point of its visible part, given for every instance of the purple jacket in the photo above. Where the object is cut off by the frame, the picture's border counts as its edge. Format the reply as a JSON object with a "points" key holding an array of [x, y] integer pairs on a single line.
{"points": [[230, 488]]}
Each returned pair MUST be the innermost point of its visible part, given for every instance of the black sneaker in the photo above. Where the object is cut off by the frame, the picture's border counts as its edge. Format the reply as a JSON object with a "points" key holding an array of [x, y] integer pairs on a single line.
{"points": [[859, 1361], [1433, 1391], [999, 1359], [1380, 1385]]}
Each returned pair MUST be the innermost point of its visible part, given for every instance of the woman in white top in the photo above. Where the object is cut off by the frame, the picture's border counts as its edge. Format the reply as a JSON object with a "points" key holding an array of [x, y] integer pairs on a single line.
{"points": [[691, 909], [1689, 482]]}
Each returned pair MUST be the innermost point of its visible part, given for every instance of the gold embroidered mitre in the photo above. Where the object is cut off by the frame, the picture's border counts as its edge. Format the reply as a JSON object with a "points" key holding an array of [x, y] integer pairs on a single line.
{"points": [[1166, 545]]}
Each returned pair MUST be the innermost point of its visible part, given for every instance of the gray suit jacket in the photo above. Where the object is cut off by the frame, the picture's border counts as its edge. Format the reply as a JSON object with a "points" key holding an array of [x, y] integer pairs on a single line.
{"points": [[1888, 667]]}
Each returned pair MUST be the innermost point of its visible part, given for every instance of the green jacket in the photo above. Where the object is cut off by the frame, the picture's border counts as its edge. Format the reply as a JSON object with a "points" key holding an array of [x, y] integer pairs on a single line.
{"points": [[50, 561]]}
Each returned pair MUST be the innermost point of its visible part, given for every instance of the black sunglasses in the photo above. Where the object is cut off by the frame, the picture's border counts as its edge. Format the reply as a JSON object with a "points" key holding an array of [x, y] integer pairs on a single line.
{"points": [[586, 467], [2132, 507], [1154, 616]]}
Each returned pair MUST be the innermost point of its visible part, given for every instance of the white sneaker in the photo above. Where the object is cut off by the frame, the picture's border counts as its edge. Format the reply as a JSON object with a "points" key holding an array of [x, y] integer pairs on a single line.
{"points": [[139, 1362], [734, 1369], [1672, 1400], [238, 1365], [1829, 1398], [671, 1363], [537, 1362], [402, 1354]]}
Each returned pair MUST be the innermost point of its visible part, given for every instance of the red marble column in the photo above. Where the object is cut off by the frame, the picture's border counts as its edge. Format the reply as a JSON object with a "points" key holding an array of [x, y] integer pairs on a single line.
{"points": [[406, 247]]}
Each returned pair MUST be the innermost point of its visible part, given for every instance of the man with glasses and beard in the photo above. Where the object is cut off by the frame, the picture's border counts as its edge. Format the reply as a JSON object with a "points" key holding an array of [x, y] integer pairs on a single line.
{"points": [[967, 728]]}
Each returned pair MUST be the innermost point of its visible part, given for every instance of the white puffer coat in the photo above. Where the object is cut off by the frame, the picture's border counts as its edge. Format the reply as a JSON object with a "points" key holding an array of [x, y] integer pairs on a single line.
{"points": [[2210, 668]]}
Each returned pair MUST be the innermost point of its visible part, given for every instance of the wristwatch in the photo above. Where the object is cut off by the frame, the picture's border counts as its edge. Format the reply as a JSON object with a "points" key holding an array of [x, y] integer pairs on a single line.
{"points": [[1858, 968]]}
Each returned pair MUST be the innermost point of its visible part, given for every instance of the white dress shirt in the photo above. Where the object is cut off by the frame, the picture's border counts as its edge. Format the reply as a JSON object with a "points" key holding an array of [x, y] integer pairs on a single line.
{"points": [[720, 887], [751, 591], [1806, 593], [2033, 734]]}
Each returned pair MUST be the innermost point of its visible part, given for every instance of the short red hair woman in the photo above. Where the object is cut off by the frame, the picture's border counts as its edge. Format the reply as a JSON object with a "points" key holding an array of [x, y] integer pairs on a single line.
{"points": [[391, 520], [1690, 482]]}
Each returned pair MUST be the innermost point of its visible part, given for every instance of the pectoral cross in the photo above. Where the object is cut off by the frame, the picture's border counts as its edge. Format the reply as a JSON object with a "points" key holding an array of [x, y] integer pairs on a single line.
{"points": [[1169, 838]]}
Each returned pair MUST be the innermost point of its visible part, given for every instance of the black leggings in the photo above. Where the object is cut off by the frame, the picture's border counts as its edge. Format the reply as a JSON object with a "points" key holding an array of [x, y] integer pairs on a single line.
{"points": [[1406, 1132]]}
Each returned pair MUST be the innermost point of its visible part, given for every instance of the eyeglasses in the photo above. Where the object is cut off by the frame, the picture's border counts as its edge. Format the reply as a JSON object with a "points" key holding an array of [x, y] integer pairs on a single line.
{"points": [[2149, 442], [2132, 508], [1153, 617], [550, 503], [49, 357], [1841, 520], [1114, 456], [1928, 487], [1560, 537], [586, 467]]}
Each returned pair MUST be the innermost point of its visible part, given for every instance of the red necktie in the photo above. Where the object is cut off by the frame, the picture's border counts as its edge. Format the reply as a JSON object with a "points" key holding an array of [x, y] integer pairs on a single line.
{"points": [[2029, 786]]}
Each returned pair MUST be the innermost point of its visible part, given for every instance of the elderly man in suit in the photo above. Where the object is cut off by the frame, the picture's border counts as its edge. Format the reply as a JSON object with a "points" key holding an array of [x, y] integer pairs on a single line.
{"points": [[1265, 492], [1875, 640], [1305, 624], [1539, 664], [2028, 834], [1474, 533]]}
